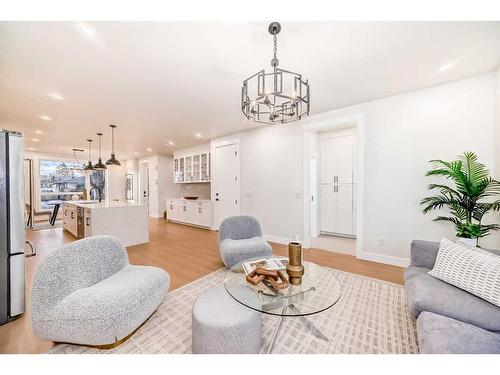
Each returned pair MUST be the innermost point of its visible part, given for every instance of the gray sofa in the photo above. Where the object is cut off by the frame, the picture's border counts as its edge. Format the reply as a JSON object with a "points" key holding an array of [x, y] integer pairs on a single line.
{"points": [[86, 292], [449, 319]]}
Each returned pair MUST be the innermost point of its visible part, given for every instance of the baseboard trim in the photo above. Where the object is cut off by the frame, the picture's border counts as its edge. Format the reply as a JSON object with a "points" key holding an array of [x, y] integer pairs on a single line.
{"points": [[386, 259], [280, 240]]}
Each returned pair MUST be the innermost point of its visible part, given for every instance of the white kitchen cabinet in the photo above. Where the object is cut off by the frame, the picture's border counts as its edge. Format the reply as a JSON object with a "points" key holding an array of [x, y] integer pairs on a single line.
{"points": [[328, 209], [87, 225], [192, 168], [337, 160], [337, 209], [70, 218], [337, 184], [198, 213]]}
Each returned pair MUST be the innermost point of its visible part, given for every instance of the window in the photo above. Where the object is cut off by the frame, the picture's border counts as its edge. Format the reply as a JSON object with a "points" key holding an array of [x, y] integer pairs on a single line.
{"points": [[59, 181]]}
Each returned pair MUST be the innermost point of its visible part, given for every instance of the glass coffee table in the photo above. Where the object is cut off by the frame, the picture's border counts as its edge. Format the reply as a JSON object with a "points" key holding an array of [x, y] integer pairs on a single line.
{"points": [[318, 291]]}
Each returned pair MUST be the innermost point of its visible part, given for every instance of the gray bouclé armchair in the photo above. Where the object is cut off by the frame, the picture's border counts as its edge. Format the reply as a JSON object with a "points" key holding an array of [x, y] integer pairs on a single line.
{"points": [[240, 238], [86, 292]]}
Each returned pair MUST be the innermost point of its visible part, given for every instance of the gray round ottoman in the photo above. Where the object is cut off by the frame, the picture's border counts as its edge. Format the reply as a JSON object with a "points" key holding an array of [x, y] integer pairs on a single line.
{"points": [[222, 325]]}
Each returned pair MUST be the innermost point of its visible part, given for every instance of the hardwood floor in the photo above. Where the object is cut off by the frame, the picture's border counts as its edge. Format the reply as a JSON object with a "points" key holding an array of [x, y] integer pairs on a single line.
{"points": [[187, 254]]}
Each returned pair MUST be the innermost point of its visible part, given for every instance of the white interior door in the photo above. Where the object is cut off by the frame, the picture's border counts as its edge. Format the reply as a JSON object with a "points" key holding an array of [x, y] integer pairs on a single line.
{"points": [[226, 182], [313, 188]]}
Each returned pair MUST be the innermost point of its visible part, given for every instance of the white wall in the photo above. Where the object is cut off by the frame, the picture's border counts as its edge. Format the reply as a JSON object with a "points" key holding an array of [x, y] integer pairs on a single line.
{"points": [[115, 183], [166, 186], [271, 181], [497, 129], [401, 134], [161, 185]]}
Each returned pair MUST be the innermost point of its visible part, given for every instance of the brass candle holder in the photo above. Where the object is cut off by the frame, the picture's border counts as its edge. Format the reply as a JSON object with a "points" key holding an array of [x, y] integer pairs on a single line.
{"points": [[294, 268]]}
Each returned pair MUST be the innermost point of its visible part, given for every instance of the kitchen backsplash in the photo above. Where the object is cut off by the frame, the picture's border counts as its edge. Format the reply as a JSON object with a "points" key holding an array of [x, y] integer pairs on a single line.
{"points": [[197, 190]]}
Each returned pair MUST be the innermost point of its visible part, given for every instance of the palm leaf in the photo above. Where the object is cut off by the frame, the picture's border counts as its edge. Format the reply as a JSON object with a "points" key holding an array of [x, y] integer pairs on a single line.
{"points": [[451, 170]]}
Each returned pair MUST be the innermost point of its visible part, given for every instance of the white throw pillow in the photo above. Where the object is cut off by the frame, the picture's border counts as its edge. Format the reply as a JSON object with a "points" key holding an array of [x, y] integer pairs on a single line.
{"points": [[472, 269]]}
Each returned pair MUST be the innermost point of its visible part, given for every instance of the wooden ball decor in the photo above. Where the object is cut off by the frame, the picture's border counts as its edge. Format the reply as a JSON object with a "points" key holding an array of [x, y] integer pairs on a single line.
{"points": [[294, 268]]}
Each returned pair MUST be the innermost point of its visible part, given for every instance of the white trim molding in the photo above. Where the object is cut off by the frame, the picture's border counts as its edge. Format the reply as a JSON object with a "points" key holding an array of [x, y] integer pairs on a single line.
{"points": [[275, 239], [327, 122], [381, 258]]}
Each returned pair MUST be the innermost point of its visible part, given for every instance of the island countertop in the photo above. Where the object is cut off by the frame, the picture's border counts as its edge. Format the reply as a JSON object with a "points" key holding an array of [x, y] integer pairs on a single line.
{"points": [[128, 221], [91, 204]]}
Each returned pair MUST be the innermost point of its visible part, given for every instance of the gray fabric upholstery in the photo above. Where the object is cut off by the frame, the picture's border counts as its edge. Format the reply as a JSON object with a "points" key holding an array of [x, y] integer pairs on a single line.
{"points": [[438, 334], [426, 293], [221, 325], [239, 228], [423, 253], [240, 239], [86, 292]]}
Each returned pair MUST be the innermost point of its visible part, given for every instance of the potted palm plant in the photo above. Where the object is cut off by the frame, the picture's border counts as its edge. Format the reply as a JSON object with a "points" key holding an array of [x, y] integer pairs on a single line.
{"points": [[473, 195]]}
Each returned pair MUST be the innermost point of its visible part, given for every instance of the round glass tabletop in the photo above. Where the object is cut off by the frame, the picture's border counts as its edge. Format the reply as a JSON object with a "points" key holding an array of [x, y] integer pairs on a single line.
{"points": [[318, 291]]}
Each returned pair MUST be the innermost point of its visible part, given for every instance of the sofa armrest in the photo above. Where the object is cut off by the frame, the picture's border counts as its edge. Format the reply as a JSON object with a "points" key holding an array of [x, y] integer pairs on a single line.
{"points": [[423, 253]]}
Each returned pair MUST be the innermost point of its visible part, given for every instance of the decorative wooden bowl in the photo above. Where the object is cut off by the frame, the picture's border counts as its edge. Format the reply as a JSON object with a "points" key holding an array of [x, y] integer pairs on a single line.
{"points": [[191, 198]]}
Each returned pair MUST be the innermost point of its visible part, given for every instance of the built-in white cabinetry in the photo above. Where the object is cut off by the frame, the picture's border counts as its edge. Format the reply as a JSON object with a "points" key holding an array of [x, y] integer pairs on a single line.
{"points": [[337, 184], [337, 160], [192, 212], [192, 168], [87, 225], [70, 218]]}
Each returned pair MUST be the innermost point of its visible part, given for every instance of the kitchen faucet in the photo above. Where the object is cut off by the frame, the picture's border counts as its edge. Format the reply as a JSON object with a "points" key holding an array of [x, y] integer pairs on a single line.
{"points": [[99, 191]]}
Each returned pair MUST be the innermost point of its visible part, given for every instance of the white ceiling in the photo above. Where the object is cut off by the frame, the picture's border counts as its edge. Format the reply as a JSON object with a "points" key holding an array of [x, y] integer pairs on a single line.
{"points": [[165, 81]]}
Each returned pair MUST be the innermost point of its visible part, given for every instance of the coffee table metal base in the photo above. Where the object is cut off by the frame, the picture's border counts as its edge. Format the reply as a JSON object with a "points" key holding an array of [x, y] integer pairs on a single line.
{"points": [[310, 326]]}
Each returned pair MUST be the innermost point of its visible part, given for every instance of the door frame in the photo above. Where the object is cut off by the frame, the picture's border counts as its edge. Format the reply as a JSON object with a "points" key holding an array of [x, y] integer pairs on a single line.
{"points": [[335, 123], [313, 196], [145, 165], [213, 175]]}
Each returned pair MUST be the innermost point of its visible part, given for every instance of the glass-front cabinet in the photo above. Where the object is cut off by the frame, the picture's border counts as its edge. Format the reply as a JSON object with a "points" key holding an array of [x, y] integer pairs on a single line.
{"points": [[196, 168], [205, 166], [193, 168], [188, 172]]}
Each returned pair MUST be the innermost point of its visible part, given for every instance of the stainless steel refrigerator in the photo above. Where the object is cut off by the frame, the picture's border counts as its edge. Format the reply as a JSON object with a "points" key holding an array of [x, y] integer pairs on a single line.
{"points": [[12, 257]]}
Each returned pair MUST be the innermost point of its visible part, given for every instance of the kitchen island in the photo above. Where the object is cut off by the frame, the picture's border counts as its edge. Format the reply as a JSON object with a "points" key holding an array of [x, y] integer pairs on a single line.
{"points": [[128, 221]]}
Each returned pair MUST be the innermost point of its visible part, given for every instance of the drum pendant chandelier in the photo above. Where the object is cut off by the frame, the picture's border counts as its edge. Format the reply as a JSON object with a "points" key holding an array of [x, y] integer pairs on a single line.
{"points": [[277, 97]]}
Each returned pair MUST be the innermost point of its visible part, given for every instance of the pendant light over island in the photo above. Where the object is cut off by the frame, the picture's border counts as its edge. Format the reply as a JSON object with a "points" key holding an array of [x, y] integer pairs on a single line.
{"points": [[112, 161]]}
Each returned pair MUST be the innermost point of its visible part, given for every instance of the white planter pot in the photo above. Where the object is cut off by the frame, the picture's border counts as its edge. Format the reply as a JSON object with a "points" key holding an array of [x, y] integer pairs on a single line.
{"points": [[470, 242]]}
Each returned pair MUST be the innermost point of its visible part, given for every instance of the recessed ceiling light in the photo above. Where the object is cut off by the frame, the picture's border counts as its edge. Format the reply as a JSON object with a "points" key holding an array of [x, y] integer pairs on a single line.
{"points": [[31, 149], [449, 65], [149, 149], [45, 117], [38, 132], [136, 153], [35, 140], [170, 143], [55, 96], [198, 135]]}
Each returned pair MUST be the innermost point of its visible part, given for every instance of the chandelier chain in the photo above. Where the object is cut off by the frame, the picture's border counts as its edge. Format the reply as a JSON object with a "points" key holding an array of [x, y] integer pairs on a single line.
{"points": [[275, 47]]}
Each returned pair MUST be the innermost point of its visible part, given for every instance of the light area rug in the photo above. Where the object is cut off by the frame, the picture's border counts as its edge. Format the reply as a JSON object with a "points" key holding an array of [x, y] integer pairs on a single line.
{"points": [[370, 317]]}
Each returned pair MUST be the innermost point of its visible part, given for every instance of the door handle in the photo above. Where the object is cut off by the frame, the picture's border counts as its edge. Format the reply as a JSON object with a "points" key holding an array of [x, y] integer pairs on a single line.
{"points": [[88, 221], [72, 215]]}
